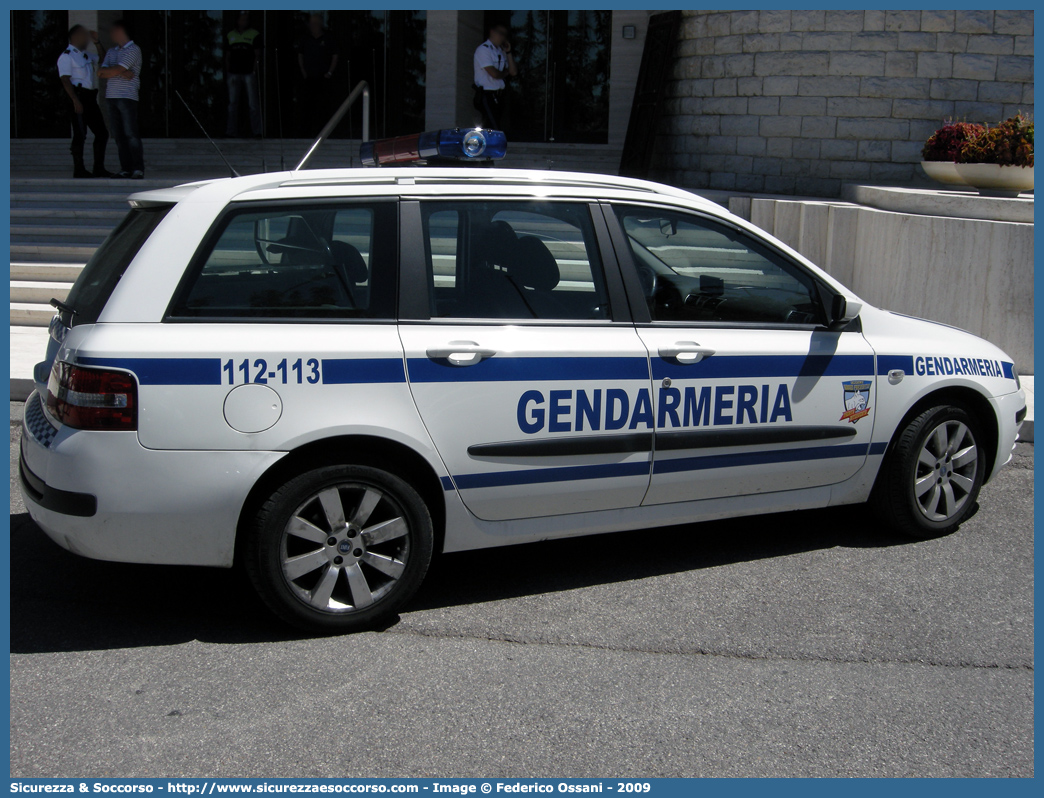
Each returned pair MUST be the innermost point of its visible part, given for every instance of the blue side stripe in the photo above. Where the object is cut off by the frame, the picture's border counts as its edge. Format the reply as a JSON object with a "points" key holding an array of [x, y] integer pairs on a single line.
{"points": [[878, 448], [207, 371], [759, 458], [342, 371], [886, 363], [164, 370], [563, 474], [529, 369], [338, 371], [1008, 369], [756, 366]]}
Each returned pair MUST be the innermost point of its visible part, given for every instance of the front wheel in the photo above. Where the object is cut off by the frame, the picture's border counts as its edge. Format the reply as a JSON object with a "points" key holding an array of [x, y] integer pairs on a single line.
{"points": [[339, 548], [930, 479]]}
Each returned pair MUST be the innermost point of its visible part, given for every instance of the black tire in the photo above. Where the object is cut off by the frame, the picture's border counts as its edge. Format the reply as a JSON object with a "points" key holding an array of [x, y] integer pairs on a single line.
{"points": [[274, 553], [895, 497]]}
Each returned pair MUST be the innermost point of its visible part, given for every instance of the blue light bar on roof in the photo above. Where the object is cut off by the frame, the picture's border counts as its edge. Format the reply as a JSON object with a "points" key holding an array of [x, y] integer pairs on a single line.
{"points": [[471, 144]]}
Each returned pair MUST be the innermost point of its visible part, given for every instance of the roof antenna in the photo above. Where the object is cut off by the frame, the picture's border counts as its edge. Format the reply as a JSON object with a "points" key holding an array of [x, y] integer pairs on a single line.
{"points": [[216, 147], [262, 99], [360, 88], [279, 110], [351, 149]]}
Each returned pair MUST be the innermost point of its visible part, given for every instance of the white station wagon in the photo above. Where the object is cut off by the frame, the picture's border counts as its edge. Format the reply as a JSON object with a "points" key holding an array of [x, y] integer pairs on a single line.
{"points": [[329, 376]]}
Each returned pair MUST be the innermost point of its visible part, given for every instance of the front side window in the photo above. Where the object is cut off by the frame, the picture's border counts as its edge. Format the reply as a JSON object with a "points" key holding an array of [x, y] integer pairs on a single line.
{"points": [[694, 270], [513, 260], [323, 262]]}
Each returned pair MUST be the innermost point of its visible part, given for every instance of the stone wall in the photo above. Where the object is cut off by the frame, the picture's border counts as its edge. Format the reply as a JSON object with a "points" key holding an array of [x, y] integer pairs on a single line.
{"points": [[972, 273], [801, 101]]}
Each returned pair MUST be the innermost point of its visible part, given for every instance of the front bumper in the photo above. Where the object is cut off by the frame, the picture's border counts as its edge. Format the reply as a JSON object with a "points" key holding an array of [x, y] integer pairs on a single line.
{"points": [[1010, 410], [149, 506]]}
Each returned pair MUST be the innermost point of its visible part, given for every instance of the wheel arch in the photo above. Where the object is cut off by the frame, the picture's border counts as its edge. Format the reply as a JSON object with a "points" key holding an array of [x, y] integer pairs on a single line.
{"points": [[365, 450], [974, 402]]}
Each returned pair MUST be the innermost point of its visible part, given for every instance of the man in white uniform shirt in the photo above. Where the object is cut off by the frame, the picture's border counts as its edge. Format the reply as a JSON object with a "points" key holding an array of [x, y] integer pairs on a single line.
{"points": [[494, 63], [76, 70]]}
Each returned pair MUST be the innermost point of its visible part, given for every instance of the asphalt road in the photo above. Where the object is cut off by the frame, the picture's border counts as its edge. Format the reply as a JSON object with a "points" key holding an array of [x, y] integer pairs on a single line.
{"points": [[804, 644]]}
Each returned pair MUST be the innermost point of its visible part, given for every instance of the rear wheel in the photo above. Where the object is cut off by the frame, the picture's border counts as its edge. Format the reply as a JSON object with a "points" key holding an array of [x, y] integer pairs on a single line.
{"points": [[340, 548], [930, 480]]}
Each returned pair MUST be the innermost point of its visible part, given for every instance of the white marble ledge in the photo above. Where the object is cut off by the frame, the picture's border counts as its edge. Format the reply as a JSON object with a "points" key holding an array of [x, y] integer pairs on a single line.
{"points": [[941, 202]]}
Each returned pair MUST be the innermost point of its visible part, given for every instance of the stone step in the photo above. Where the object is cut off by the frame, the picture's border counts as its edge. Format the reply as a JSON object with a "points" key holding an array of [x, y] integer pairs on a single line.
{"points": [[58, 233], [38, 292], [31, 314], [180, 159], [51, 253], [68, 215], [254, 148], [90, 188], [46, 272], [58, 199]]}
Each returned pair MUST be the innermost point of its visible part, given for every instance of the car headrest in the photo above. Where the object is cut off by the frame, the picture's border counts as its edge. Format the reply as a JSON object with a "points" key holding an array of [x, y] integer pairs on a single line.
{"points": [[535, 266], [495, 243], [347, 256]]}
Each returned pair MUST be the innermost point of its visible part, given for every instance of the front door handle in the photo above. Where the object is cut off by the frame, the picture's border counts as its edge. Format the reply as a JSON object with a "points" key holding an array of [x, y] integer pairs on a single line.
{"points": [[685, 352], [461, 353]]}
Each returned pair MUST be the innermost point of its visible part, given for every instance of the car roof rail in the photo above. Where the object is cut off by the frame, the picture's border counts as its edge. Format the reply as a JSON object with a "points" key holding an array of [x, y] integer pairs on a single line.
{"points": [[437, 175]]}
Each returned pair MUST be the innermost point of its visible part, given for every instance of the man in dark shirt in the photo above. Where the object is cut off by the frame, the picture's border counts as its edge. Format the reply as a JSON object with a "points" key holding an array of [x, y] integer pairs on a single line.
{"points": [[241, 53], [317, 57]]}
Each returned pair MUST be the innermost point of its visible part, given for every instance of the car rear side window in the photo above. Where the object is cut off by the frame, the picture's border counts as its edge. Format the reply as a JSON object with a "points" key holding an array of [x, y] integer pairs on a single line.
{"points": [[300, 262], [513, 260], [103, 271]]}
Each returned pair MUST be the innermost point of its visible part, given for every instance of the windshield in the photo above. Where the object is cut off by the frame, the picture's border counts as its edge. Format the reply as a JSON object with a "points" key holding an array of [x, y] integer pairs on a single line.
{"points": [[103, 271]]}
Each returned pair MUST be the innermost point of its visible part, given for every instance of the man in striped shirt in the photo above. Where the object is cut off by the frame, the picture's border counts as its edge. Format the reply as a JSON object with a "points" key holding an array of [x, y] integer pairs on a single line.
{"points": [[122, 70]]}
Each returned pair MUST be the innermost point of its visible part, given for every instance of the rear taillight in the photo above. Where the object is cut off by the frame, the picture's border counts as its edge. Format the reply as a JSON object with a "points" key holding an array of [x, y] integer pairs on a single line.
{"points": [[93, 399]]}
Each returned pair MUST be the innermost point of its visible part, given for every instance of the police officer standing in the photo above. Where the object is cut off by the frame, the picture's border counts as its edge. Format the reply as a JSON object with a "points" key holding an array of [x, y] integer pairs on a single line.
{"points": [[76, 69], [493, 64], [241, 61]]}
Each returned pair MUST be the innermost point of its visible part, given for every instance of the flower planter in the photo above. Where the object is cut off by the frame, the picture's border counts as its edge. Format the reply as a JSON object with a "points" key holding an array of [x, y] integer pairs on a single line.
{"points": [[943, 172], [994, 180]]}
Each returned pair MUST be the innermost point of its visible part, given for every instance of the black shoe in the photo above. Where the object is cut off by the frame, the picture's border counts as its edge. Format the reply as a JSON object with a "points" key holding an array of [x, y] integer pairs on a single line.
{"points": [[81, 173], [137, 174], [121, 176], [102, 173]]}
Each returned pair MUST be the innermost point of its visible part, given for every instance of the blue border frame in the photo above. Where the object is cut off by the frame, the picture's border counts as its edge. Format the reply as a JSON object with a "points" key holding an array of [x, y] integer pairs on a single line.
{"points": [[661, 786]]}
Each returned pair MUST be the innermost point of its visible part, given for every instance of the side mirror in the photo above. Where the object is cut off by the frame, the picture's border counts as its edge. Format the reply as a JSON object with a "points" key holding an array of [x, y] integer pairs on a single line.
{"points": [[842, 311], [838, 308]]}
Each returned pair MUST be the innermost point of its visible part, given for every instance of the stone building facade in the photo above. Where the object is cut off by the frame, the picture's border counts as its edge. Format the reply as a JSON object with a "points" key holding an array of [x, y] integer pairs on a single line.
{"points": [[799, 102]]}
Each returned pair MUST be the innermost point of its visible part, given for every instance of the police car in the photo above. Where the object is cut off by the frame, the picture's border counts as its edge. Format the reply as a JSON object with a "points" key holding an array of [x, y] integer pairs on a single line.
{"points": [[331, 376]]}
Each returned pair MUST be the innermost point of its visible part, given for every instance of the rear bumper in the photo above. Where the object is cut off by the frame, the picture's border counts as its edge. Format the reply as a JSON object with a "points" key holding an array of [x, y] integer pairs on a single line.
{"points": [[103, 495], [65, 502]]}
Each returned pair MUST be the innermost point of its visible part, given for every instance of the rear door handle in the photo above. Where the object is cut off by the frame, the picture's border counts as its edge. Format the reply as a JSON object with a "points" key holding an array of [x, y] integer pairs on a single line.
{"points": [[686, 352], [461, 353]]}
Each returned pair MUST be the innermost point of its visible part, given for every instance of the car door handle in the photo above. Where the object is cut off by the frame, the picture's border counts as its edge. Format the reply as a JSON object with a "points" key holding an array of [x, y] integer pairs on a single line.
{"points": [[685, 352], [461, 353]]}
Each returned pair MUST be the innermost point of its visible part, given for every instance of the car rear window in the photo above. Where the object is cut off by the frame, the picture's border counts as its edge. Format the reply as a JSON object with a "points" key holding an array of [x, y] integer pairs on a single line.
{"points": [[329, 261], [103, 271]]}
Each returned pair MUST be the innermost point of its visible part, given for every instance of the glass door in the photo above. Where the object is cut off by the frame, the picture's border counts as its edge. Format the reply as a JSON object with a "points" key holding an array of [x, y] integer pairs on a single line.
{"points": [[562, 90]]}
